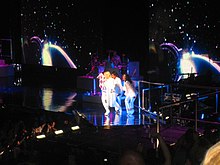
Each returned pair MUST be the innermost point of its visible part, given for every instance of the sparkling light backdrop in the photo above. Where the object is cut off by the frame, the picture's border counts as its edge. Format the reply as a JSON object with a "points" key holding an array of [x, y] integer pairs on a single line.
{"points": [[191, 24]]}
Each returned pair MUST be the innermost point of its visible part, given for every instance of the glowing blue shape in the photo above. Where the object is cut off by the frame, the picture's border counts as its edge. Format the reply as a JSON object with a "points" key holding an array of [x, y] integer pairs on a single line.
{"points": [[188, 63], [202, 116], [46, 55], [71, 64], [211, 62]]}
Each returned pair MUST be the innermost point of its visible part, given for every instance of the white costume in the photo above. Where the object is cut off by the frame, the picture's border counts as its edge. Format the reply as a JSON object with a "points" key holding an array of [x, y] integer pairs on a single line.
{"points": [[118, 93], [130, 96], [108, 94], [101, 78]]}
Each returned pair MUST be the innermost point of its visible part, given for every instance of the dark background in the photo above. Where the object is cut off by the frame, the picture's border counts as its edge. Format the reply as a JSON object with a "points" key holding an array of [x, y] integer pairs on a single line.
{"points": [[124, 26], [97, 26]]}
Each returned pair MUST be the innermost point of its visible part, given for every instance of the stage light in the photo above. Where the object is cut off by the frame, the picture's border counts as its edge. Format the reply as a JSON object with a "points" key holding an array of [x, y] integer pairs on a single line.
{"points": [[1, 153], [191, 95], [202, 116], [58, 132], [167, 117], [41, 136], [75, 128], [172, 144], [188, 96]]}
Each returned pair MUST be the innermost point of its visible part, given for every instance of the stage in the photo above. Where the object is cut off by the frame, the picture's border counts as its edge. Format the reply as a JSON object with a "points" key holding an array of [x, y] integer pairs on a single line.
{"points": [[70, 116], [86, 131], [6, 70]]}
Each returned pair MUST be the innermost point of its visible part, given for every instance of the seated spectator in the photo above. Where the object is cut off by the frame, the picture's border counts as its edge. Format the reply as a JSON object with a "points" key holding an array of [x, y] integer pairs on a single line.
{"points": [[164, 148], [131, 157], [183, 146], [198, 150], [212, 156]]}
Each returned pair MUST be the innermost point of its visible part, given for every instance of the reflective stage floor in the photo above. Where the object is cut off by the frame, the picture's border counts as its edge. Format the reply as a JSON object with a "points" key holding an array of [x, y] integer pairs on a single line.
{"points": [[26, 108]]}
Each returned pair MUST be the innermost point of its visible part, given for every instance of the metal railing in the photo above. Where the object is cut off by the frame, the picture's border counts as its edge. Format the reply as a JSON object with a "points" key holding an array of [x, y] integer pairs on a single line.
{"points": [[195, 99], [141, 93], [168, 87]]}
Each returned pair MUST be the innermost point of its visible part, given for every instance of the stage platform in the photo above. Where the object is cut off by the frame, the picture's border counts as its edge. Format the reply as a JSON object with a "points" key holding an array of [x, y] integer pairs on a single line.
{"points": [[6, 70], [89, 85], [99, 138], [92, 98]]}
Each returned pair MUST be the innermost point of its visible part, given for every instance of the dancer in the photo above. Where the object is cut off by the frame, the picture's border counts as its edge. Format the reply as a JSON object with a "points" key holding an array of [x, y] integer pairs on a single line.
{"points": [[102, 79], [130, 94], [118, 91], [108, 93]]}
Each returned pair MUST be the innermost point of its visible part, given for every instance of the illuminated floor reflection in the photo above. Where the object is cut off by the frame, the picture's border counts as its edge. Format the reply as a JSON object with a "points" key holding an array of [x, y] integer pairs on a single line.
{"points": [[35, 99], [99, 119]]}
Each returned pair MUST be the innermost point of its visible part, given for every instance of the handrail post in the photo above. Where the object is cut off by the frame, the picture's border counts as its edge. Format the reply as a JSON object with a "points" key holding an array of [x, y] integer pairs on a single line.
{"points": [[157, 130], [196, 113], [139, 96], [216, 101], [143, 99], [149, 99]]}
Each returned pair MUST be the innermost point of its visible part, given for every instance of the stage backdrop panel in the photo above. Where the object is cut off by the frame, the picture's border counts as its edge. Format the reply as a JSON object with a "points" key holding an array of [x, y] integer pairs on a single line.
{"points": [[133, 69], [88, 83]]}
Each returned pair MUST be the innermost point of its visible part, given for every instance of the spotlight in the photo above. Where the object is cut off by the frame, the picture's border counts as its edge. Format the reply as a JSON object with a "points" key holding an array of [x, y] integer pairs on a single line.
{"points": [[75, 128], [1, 153], [41, 136], [191, 95], [167, 117], [58, 132]]}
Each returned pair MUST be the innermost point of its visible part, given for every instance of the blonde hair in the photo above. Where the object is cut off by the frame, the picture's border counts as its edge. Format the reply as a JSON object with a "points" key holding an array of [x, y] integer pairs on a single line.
{"points": [[212, 156], [107, 74]]}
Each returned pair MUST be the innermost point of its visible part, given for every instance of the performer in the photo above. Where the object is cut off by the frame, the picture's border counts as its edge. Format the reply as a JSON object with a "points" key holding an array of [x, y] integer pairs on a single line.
{"points": [[125, 61], [113, 61], [116, 60], [95, 63], [118, 91], [102, 79], [130, 94], [108, 93]]}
